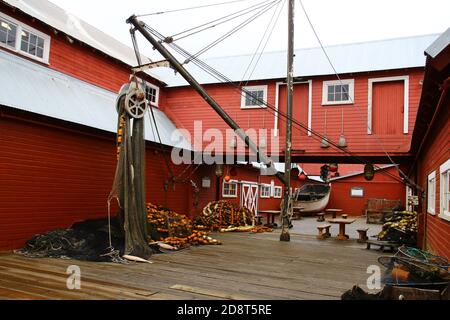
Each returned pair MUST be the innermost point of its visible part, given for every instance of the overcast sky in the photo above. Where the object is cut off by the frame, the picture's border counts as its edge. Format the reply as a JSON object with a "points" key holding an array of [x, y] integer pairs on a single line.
{"points": [[336, 22]]}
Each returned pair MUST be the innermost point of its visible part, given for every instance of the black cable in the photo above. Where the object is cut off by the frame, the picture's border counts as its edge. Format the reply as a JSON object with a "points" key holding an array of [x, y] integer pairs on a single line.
{"points": [[265, 44], [221, 78], [207, 24], [190, 8], [235, 29]]}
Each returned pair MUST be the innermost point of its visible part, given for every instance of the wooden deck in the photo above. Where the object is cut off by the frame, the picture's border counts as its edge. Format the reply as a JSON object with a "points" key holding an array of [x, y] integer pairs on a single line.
{"points": [[246, 266]]}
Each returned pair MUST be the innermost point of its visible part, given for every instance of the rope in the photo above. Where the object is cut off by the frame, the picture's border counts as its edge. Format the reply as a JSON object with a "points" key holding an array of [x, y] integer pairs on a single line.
{"points": [[340, 81], [190, 8], [265, 44], [222, 78], [208, 26], [228, 34]]}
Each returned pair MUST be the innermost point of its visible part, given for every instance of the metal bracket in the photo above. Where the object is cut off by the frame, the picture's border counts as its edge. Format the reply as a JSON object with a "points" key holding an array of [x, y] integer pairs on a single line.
{"points": [[151, 65]]}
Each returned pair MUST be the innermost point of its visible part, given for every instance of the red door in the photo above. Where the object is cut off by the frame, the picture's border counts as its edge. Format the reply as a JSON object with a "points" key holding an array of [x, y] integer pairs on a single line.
{"points": [[299, 109], [387, 107]]}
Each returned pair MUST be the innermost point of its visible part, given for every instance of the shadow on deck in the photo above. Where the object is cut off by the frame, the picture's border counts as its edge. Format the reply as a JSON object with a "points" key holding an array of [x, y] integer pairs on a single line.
{"points": [[246, 266]]}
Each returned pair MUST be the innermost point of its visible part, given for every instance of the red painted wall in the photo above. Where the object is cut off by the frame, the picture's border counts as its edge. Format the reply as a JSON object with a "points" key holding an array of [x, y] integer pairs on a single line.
{"points": [[77, 59], [381, 187], [185, 106], [52, 176], [436, 152], [250, 174]]}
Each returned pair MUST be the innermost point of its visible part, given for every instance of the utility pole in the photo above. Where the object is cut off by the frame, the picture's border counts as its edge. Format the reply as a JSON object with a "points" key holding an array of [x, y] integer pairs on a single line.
{"points": [[285, 236]]}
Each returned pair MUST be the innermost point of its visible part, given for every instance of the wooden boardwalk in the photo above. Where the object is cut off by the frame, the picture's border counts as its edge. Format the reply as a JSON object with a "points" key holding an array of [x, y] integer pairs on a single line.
{"points": [[246, 266]]}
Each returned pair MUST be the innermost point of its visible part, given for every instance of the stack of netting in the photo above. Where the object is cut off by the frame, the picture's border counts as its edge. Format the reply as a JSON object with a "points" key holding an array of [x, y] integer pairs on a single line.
{"points": [[86, 240], [401, 227], [220, 215], [412, 266], [175, 229]]}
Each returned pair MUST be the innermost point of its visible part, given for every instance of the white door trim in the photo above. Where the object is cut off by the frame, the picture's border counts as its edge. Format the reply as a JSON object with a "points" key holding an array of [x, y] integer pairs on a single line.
{"points": [[253, 192], [277, 102], [405, 79]]}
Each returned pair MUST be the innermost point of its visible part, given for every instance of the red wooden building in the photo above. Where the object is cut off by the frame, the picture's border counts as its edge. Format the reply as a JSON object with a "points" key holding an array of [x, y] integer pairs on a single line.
{"points": [[60, 77], [352, 191], [374, 105], [431, 149]]}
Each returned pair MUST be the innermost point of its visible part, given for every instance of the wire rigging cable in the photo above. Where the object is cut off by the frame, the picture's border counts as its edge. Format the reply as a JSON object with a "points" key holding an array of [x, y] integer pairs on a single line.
{"points": [[191, 8], [258, 14], [340, 80], [222, 78], [218, 21], [261, 41]]}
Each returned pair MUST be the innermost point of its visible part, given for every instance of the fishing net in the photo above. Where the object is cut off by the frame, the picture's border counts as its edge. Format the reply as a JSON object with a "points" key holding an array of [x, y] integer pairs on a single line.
{"points": [[87, 240], [223, 214], [412, 266]]}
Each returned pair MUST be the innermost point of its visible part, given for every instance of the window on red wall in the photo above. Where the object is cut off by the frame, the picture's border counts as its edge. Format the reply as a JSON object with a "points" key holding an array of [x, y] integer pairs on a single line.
{"points": [[265, 191], [24, 39], [431, 198], [229, 189], [444, 193]]}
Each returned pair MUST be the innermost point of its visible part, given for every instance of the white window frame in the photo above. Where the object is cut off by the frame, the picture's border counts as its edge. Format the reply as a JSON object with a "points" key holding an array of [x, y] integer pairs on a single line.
{"points": [[253, 88], [405, 80], [353, 189], [277, 103], [431, 193], [156, 103], [264, 192], [444, 210], [231, 182], [351, 91], [275, 195], [24, 27]]}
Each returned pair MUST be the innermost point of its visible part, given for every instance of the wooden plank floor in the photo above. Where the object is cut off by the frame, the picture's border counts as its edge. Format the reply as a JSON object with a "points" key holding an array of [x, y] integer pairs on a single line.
{"points": [[246, 266]]}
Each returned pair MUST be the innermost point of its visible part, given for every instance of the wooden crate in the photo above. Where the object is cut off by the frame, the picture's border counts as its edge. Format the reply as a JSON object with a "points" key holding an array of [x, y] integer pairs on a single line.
{"points": [[377, 209]]}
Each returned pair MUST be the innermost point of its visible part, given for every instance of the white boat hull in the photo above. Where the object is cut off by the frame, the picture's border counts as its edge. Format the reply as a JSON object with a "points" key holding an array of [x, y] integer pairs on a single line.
{"points": [[313, 206]]}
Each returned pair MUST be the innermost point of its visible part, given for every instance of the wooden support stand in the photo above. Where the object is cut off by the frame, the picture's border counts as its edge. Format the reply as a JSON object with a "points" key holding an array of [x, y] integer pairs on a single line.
{"points": [[320, 217], [324, 231], [362, 235]]}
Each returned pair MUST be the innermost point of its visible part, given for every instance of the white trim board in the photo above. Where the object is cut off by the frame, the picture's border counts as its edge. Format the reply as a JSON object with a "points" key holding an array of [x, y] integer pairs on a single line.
{"points": [[277, 102], [405, 79]]}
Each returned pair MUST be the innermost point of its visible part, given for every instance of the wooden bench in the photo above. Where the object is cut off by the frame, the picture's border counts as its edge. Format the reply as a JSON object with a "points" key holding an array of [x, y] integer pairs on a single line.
{"points": [[362, 235], [323, 235], [382, 244], [320, 217]]}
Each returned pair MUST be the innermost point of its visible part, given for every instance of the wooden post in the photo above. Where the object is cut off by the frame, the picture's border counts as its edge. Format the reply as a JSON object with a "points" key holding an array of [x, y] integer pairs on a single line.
{"points": [[285, 236]]}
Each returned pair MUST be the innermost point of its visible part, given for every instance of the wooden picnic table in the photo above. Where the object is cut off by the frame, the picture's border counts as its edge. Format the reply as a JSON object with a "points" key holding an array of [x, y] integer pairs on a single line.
{"points": [[342, 222], [333, 212], [270, 214]]}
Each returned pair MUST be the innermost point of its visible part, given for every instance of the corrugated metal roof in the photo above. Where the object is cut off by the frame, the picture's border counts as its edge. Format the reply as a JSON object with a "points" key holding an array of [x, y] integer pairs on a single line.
{"points": [[66, 22], [440, 44], [34, 88], [388, 54]]}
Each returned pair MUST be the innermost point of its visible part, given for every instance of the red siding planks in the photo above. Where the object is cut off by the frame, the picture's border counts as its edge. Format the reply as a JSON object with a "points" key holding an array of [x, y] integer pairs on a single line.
{"points": [[436, 152], [387, 108], [382, 186], [53, 177], [185, 106]]}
